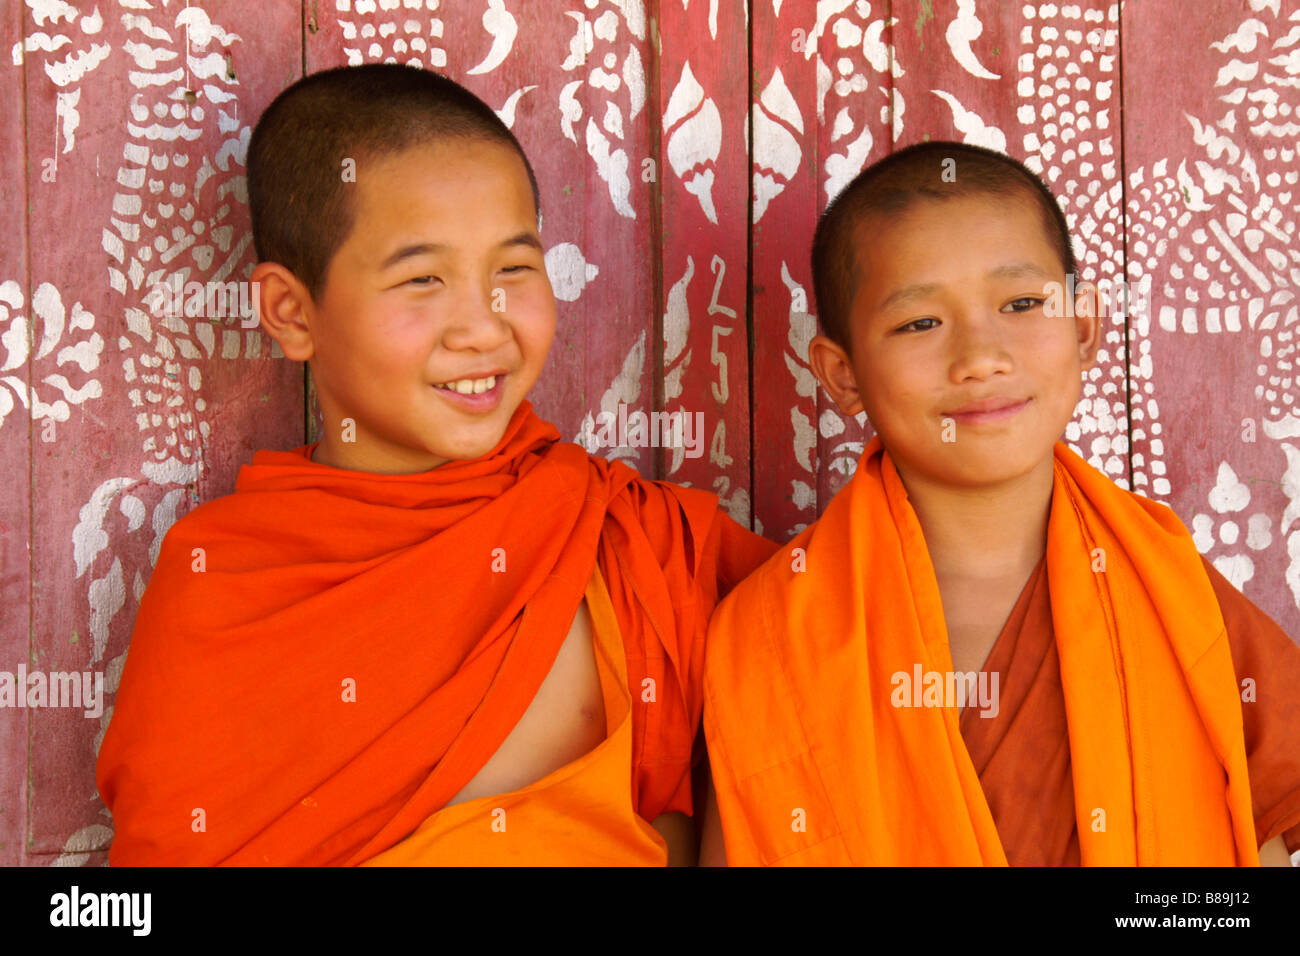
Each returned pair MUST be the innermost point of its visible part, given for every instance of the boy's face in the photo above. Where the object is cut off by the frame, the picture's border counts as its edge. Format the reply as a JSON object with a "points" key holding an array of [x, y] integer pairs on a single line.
{"points": [[442, 280], [964, 373]]}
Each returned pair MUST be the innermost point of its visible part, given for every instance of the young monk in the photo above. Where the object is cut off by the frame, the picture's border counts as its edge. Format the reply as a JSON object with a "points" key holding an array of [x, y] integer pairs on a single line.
{"points": [[1127, 705], [439, 634]]}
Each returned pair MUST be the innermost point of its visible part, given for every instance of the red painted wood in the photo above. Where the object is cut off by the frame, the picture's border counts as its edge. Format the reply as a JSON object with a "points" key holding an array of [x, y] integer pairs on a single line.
{"points": [[1212, 205], [704, 253], [148, 182], [1202, 199], [799, 163], [15, 449]]}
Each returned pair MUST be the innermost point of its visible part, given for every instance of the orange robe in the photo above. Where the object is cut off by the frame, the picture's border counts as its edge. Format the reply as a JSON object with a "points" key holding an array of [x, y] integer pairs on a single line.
{"points": [[578, 815], [818, 759], [324, 658], [1022, 754]]}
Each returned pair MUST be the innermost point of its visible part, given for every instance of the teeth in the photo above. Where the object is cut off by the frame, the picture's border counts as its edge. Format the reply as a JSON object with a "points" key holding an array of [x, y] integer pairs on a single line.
{"points": [[469, 386]]}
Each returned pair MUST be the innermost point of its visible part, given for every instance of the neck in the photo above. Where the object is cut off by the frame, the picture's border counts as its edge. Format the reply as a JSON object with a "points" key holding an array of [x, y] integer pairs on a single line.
{"points": [[992, 532]]}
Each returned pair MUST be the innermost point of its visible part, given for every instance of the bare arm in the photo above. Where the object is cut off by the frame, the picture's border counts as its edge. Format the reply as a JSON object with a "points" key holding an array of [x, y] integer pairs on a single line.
{"points": [[713, 851], [678, 831], [1273, 853]]}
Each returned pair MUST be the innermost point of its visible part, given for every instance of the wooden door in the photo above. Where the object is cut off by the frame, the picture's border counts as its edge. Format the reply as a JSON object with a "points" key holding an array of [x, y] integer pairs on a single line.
{"points": [[684, 149]]}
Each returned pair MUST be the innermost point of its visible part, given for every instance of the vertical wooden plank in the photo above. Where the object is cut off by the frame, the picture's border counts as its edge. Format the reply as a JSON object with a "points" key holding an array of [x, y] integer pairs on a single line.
{"points": [[15, 440], [613, 216], [572, 85], [1212, 204], [820, 112], [702, 161], [141, 118]]}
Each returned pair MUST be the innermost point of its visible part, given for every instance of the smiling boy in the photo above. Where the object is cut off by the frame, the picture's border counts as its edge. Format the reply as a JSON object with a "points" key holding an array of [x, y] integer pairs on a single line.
{"points": [[439, 634], [1146, 711]]}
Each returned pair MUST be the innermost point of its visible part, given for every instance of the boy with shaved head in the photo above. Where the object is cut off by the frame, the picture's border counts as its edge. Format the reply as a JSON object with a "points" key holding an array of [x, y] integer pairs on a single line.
{"points": [[439, 634], [1123, 703]]}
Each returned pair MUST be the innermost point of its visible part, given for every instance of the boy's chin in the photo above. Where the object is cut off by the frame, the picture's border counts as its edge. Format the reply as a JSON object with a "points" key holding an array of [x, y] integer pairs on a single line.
{"points": [[467, 447], [996, 464], [462, 440], [973, 462]]}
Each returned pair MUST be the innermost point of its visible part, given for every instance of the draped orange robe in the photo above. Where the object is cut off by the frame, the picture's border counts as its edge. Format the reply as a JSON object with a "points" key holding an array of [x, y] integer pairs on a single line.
{"points": [[1022, 753], [814, 764], [324, 658], [578, 815]]}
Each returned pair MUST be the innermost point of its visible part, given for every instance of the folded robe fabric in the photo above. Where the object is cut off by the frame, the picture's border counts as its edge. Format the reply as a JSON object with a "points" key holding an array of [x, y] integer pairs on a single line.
{"points": [[1022, 751], [814, 763], [578, 815], [322, 659]]}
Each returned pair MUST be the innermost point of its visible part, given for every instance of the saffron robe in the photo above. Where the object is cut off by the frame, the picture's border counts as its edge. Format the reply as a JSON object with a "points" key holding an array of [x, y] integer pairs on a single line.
{"points": [[814, 764], [326, 657], [1022, 754], [579, 815]]}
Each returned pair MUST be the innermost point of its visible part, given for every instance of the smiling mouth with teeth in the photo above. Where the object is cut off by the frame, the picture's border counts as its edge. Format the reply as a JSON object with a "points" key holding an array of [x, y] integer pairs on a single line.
{"points": [[470, 386]]}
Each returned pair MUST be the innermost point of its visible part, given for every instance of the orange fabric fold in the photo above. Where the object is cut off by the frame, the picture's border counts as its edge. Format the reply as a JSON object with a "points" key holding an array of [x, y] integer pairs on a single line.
{"points": [[813, 762], [322, 659], [579, 815], [1022, 754]]}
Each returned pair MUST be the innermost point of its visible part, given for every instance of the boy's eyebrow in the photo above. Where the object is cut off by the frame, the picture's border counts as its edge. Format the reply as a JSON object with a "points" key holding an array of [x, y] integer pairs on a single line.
{"points": [[908, 292], [437, 248], [1015, 270], [417, 249], [1019, 270], [523, 239]]}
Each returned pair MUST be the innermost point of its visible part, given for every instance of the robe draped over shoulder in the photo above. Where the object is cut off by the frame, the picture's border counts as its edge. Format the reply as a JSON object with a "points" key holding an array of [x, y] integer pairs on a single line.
{"points": [[820, 757], [324, 658]]}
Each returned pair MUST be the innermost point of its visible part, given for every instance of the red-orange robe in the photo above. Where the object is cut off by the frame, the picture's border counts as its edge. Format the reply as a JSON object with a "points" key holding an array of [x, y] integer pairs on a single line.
{"points": [[324, 658], [581, 814], [1022, 754]]}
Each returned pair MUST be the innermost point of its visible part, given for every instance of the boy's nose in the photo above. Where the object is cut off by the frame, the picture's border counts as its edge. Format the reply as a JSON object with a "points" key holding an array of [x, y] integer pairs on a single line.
{"points": [[978, 349], [479, 321]]}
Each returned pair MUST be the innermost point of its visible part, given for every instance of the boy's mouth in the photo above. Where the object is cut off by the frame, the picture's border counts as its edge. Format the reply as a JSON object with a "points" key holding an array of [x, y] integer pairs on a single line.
{"points": [[476, 394], [988, 410]]}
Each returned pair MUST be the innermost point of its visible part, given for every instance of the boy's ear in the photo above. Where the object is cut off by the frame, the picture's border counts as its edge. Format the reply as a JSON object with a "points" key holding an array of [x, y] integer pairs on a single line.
{"points": [[834, 369], [284, 307], [1087, 323]]}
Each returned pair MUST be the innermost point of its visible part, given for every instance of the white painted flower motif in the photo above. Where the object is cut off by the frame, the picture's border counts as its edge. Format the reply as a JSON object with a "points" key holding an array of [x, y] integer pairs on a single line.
{"points": [[1220, 530], [413, 36], [51, 392], [694, 129], [616, 94], [854, 67], [569, 271], [777, 153], [67, 60], [625, 389], [677, 332]]}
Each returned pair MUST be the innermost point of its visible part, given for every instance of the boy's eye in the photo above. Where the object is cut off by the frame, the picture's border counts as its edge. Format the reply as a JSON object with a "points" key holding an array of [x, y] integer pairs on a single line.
{"points": [[423, 280], [518, 269], [916, 326], [1023, 304]]}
